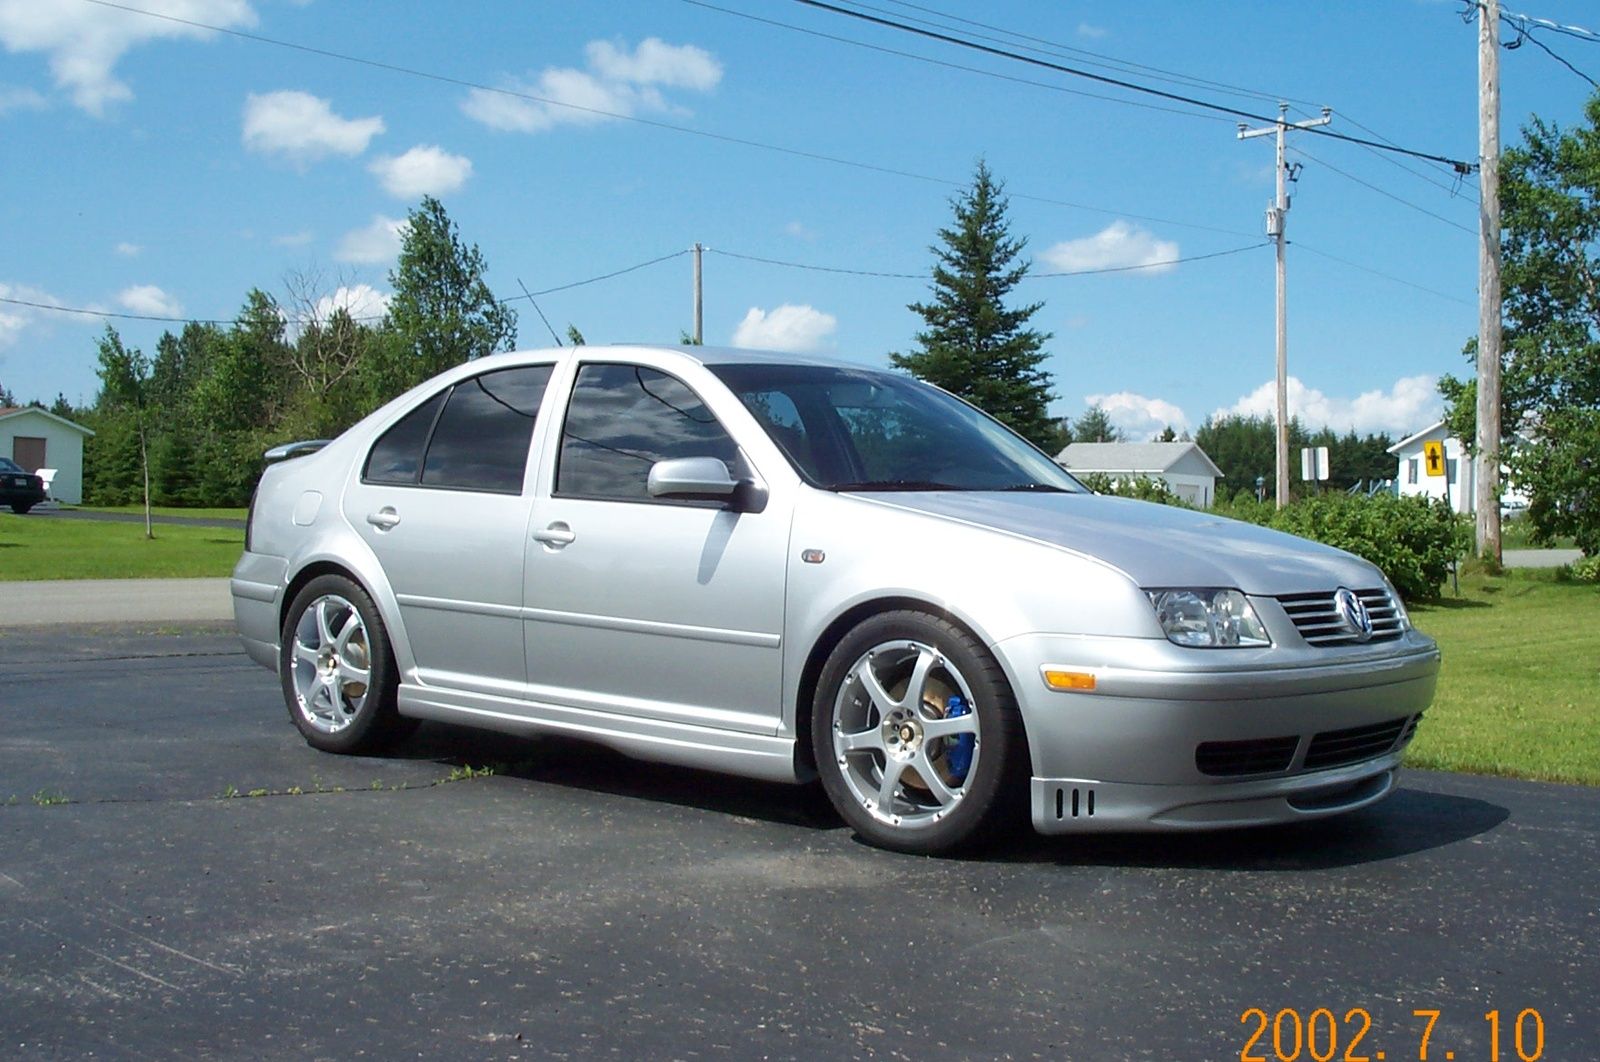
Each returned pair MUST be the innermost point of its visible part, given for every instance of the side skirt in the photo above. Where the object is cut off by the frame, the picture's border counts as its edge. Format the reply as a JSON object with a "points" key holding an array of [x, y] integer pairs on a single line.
{"points": [[758, 756]]}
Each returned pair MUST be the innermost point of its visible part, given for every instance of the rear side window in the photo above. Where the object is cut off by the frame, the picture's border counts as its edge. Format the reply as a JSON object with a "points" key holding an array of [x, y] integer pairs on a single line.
{"points": [[624, 418], [474, 436], [397, 455]]}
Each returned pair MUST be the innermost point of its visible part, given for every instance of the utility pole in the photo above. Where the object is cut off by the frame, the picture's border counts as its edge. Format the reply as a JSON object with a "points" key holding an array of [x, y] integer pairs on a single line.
{"points": [[699, 300], [1486, 496], [1277, 214]]}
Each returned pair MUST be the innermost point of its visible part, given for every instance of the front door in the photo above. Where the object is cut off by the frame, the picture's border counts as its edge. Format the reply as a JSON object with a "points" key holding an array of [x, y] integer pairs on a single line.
{"points": [[641, 606]]}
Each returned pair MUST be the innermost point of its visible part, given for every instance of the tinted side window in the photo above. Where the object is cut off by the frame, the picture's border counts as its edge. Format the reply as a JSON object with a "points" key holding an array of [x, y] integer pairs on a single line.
{"points": [[481, 440], [624, 418], [397, 455]]}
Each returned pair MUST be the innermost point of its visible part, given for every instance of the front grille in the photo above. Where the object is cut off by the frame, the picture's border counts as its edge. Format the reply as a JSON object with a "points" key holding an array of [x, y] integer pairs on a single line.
{"points": [[1317, 618], [1334, 748], [1258, 756]]}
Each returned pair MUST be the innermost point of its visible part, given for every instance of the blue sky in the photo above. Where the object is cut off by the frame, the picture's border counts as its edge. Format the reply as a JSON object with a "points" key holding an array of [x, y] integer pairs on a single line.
{"points": [[156, 169]]}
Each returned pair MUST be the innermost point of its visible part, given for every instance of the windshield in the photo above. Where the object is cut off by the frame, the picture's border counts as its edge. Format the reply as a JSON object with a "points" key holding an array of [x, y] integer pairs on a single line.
{"points": [[855, 429]]}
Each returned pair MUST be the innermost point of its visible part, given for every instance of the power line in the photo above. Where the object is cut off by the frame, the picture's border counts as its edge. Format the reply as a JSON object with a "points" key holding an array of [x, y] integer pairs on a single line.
{"points": [[952, 66], [1459, 165], [1386, 194], [115, 315], [1457, 189], [1379, 273], [1525, 35], [652, 123], [1162, 264], [1109, 62]]}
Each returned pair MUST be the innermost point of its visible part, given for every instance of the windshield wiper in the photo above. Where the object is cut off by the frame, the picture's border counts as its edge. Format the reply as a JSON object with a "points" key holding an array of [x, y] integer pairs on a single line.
{"points": [[1048, 488], [896, 484]]}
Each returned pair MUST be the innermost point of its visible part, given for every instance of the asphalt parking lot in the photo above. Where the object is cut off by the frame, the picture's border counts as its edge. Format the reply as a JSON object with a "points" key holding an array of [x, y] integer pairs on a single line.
{"points": [[180, 875]]}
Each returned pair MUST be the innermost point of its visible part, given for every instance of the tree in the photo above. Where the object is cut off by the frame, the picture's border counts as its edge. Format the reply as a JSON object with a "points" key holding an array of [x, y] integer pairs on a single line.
{"points": [[1550, 372], [7, 399], [1167, 435], [974, 345], [1095, 426], [442, 311], [124, 385]]}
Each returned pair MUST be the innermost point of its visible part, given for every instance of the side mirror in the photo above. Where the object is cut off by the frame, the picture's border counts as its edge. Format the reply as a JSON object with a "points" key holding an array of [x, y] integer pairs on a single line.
{"points": [[704, 479]]}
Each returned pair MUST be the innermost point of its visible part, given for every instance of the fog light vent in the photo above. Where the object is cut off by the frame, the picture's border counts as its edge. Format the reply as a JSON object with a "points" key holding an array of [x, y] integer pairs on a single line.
{"points": [[1074, 803]]}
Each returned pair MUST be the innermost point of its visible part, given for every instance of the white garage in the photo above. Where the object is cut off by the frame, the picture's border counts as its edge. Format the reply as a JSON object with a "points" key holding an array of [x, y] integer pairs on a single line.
{"points": [[38, 439]]}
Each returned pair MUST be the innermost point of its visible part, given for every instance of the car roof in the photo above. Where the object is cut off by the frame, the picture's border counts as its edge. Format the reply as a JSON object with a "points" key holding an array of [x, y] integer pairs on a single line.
{"points": [[705, 355]]}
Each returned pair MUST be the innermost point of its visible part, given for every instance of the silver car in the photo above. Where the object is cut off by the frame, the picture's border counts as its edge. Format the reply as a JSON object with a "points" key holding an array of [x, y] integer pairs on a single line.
{"points": [[786, 568]]}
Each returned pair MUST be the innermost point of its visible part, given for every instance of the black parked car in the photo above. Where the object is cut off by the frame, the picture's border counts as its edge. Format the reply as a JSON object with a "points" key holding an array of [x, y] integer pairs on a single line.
{"points": [[18, 489]]}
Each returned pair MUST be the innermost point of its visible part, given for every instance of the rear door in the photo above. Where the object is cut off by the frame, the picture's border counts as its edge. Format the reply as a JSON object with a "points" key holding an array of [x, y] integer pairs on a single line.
{"points": [[443, 501]]}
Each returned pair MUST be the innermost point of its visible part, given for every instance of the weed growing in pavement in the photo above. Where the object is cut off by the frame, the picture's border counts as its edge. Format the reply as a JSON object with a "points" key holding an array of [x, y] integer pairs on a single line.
{"points": [[45, 798], [466, 771], [228, 793]]}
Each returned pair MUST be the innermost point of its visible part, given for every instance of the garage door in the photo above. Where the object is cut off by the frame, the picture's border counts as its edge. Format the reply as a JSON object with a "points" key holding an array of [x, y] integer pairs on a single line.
{"points": [[28, 452]]}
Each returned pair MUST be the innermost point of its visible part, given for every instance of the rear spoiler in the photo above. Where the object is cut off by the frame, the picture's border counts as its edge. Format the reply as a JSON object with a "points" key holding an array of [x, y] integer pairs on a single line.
{"points": [[294, 449]]}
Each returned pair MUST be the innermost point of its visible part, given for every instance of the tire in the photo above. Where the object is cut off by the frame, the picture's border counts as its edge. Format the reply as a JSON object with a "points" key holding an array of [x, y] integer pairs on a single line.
{"points": [[331, 631], [20, 509], [902, 770]]}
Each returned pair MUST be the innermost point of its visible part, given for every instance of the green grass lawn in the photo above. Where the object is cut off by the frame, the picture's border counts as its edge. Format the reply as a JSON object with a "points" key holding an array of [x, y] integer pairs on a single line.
{"points": [[1519, 693], [163, 510], [36, 547]]}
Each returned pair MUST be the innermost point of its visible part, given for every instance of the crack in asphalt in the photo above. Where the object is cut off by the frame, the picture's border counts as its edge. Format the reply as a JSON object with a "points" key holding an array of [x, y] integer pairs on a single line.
{"points": [[293, 791]]}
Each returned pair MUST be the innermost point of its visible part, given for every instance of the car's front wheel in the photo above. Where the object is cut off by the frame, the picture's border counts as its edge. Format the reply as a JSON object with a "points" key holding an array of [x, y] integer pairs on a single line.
{"points": [[917, 736], [337, 668]]}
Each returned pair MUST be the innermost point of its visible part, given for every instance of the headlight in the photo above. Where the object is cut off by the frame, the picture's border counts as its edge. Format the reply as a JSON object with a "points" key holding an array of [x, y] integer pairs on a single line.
{"points": [[1208, 618]]}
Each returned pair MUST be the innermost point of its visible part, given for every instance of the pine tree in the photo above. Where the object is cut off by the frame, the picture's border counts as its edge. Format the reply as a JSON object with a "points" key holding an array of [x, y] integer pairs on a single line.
{"points": [[975, 346]]}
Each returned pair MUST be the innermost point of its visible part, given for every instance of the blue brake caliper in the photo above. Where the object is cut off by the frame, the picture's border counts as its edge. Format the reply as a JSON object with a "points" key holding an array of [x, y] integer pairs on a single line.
{"points": [[958, 750]]}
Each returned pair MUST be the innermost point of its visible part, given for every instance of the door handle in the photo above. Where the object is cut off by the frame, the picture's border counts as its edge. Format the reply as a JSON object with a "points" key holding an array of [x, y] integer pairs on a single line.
{"points": [[384, 519], [555, 536]]}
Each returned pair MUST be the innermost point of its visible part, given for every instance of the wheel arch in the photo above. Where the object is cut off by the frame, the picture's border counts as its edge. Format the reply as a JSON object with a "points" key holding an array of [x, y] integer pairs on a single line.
{"points": [[835, 632]]}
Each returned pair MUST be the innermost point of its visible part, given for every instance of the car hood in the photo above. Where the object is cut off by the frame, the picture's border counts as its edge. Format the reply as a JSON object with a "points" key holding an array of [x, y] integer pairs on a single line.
{"points": [[1155, 545]]}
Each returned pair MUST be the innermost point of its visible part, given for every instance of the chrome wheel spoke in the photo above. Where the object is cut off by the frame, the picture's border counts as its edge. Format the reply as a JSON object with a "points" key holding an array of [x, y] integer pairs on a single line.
{"points": [[350, 675], [892, 769], [349, 628], [870, 738], [880, 696], [950, 726], [324, 624], [305, 653], [917, 685]]}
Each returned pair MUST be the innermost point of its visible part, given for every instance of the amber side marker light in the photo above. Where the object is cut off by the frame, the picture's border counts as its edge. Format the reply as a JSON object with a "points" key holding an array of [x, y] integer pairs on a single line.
{"points": [[1078, 681]]}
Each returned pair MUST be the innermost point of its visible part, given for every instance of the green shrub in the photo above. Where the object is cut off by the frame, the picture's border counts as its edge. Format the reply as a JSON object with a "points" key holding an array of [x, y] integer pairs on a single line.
{"points": [[1414, 540], [1586, 569], [1144, 488]]}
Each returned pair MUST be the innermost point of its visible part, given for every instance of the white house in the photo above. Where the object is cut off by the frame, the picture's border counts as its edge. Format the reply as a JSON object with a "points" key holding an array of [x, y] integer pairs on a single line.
{"points": [[1458, 483], [1185, 468], [36, 438]]}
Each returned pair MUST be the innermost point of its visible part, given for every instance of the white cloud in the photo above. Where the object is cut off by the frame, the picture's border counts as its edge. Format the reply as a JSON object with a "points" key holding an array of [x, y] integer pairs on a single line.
{"points": [[293, 239], [374, 244], [424, 170], [1139, 417], [147, 298], [15, 320], [21, 99], [656, 62], [303, 128], [799, 329], [363, 302], [1409, 406], [616, 82], [128, 250], [1117, 246], [1094, 33], [799, 231], [85, 41]]}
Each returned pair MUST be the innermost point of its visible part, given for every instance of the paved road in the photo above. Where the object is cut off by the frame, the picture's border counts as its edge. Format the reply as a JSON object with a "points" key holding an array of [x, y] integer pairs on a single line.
{"points": [[137, 518], [1538, 558], [579, 904], [148, 601]]}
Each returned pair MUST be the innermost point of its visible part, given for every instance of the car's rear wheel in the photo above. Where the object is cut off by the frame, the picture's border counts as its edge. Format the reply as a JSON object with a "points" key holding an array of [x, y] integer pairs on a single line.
{"points": [[917, 736], [337, 668], [19, 509]]}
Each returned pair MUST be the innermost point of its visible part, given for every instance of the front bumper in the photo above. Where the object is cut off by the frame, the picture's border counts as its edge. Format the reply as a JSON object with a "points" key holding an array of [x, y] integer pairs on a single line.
{"points": [[1126, 755]]}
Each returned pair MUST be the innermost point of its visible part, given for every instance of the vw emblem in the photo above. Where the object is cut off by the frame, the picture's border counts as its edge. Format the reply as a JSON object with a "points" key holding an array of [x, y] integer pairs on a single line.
{"points": [[1354, 613]]}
